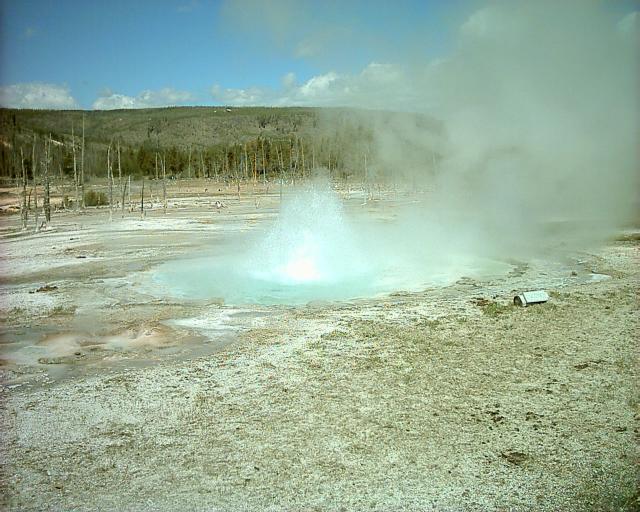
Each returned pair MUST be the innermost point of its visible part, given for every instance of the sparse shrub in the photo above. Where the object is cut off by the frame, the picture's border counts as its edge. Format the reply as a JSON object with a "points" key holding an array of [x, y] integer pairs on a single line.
{"points": [[493, 309], [93, 198]]}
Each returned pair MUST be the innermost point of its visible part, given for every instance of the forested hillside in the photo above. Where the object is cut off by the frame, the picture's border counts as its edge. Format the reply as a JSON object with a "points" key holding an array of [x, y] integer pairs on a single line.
{"points": [[221, 142]]}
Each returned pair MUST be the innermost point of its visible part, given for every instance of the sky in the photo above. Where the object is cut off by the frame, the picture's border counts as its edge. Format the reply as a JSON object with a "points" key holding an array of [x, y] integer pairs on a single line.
{"points": [[144, 53]]}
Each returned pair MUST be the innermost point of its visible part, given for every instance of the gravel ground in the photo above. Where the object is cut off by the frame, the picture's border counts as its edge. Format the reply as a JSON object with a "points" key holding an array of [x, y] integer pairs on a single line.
{"points": [[447, 399]]}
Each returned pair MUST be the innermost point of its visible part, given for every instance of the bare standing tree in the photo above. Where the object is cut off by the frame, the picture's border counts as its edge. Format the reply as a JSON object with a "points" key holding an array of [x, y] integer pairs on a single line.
{"points": [[34, 172], [255, 169], [24, 212], [46, 164], [164, 183], [246, 164], [263, 162], [76, 204], [123, 191], [110, 178], [82, 164], [142, 200], [63, 187], [120, 177], [367, 187], [281, 164], [293, 168], [302, 155], [189, 165], [237, 172]]}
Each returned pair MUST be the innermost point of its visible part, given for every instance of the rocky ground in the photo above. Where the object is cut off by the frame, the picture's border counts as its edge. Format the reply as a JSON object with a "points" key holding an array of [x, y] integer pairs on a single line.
{"points": [[446, 399]]}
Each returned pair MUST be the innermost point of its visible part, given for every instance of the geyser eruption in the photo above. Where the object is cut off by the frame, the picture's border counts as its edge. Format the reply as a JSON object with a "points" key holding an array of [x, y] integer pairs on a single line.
{"points": [[310, 252], [311, 241], [315, 250]]}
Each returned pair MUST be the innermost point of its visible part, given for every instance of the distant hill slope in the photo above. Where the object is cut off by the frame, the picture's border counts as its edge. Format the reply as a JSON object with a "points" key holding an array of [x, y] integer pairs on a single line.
{"points": [[218, 140], [166, 127]]}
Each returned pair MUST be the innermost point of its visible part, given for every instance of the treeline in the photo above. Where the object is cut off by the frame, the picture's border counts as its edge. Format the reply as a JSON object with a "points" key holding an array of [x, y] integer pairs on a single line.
{"points": [[259, 158], [217, 143]]}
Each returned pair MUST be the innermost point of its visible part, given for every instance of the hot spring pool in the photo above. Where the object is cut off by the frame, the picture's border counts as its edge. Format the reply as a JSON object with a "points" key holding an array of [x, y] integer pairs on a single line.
{"points": [[315, 251], [221, 278]]}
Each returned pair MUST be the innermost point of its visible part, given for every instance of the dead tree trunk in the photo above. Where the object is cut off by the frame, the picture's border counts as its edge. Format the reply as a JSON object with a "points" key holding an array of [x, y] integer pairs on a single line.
{"points": [[123, 190], [367, 187], [264, 165], [82, 165], [120, 178], [76, 203], [189, 165], [238, 181], [34, 172], [130, 203], [281, 163], [47, 164], [164, 184], [255, 169], [24, 212], [110, 180], [292, 173], [246, 164], [142, 200], [63, 187]]}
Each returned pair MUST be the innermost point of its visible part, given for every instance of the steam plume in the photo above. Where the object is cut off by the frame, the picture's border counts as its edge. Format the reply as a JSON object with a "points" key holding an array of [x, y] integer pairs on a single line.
{"points": [[539, 104]]}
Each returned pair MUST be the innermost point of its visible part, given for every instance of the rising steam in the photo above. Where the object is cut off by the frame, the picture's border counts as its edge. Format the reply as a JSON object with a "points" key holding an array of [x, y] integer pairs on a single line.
{"points": [[539, 109]]}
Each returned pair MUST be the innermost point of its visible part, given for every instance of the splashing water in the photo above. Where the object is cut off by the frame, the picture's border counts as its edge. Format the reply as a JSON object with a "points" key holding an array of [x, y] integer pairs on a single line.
{"points": [[310, 242]]}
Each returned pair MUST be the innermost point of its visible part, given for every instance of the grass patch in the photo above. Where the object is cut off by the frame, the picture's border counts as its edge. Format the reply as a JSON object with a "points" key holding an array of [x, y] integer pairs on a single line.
{"points": [[63, 310], [93, 198], [430, 324], [628, 237], [493, 309]]}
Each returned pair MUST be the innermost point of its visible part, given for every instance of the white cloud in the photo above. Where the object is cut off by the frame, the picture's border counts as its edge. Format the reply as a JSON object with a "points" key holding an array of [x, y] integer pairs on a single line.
{"points": [[376, 86], [240, 97], [37, 95], [146, 99], [318, 86], [114, 101]]}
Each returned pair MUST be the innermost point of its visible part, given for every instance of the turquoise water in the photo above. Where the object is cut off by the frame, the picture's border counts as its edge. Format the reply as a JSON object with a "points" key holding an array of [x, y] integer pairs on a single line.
{"points": [[314, 251], [206, 278], [214, 277]]}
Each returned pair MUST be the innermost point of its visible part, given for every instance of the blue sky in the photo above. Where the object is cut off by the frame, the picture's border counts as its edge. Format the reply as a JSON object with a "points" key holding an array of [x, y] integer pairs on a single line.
{"points": [[104, 54], [126, 47]]}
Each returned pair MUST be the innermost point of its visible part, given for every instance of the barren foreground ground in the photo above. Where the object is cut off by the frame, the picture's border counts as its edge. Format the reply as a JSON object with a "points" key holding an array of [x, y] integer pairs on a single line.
{"points": [[446, 399]]}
